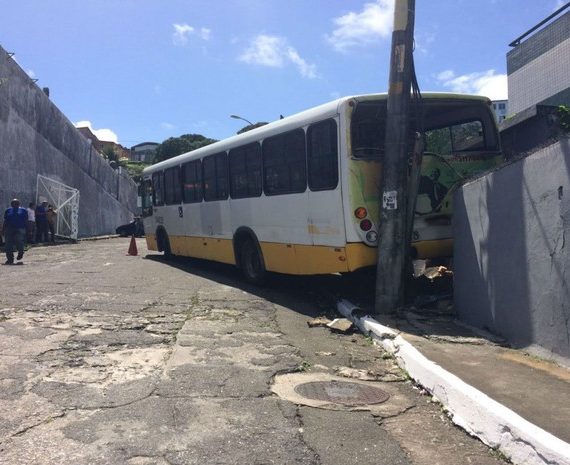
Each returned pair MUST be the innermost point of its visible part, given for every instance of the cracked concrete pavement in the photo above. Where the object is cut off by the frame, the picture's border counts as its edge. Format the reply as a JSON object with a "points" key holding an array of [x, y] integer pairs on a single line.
{"points": [[109, 359]]}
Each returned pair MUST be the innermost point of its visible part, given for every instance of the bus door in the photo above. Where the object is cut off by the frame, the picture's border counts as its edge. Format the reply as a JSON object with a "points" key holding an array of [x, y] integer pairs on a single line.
{"points": [[326, 223]]}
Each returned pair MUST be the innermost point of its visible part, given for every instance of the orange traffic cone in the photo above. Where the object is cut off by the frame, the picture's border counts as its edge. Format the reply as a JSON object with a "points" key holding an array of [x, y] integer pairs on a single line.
{"points": [[133, 247]]}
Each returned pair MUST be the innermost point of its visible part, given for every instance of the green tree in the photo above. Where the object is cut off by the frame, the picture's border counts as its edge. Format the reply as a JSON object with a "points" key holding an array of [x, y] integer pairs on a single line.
{"points": [[174, 146], [564, 117], [134, 168], [110, 154], [249, 127]]}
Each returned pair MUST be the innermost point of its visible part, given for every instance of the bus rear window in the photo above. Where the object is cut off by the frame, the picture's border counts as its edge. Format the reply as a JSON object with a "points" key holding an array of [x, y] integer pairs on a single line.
{"points": [[451, 127], [456, 138], [368, 129]]}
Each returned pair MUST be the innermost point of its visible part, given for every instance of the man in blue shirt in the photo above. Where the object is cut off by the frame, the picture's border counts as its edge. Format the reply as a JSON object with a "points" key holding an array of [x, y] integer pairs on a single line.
{"points": [[14, 228]]}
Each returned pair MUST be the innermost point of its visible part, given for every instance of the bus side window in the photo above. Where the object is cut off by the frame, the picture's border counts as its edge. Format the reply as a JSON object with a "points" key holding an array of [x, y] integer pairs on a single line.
{"points": [[284, 163], [158, 189], [245, 171], [215, 174], [172, 191], [192, 181], [322, 155]]}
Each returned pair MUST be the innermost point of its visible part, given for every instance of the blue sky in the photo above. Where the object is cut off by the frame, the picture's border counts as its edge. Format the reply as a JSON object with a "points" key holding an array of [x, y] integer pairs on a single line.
{"points": [[145, 70]]}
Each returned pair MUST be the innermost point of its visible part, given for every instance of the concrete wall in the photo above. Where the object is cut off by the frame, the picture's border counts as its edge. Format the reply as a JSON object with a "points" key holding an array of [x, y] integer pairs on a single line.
{"points": [[534, 127], [37, 138], [512, 251]]}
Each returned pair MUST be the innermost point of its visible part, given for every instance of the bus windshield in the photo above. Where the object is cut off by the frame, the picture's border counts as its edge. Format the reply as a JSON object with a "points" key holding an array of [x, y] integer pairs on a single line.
{"points": [[452, 127]]}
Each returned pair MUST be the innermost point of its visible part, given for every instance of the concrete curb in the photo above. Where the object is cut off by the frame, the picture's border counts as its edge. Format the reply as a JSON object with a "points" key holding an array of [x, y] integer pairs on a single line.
{"points": [[493, 423], [99, 238]]}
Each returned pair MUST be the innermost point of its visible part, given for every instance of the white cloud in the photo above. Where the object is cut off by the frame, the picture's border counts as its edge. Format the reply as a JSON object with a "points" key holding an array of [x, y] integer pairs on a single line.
{"points": [[265, 50], [275, 52], [102, 134], [306, 69], [486, 83], [182, 33], [373, 22], [167, 125]]}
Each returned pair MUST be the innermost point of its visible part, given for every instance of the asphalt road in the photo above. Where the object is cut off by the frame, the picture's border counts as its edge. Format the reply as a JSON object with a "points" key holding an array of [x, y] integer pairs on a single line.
{"points": [[112, 359]]}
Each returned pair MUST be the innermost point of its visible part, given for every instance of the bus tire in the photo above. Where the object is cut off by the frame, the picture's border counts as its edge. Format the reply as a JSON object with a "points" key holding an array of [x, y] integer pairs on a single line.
{"points": [[251, 263], [164, 243]]}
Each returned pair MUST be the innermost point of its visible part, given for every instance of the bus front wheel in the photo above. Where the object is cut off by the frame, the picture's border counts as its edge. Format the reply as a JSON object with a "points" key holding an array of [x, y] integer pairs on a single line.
{"points": [[251, 262]]}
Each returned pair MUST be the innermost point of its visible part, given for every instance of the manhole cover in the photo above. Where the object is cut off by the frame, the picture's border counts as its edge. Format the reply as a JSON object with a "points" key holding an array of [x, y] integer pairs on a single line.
{"points": [[341, 392]]}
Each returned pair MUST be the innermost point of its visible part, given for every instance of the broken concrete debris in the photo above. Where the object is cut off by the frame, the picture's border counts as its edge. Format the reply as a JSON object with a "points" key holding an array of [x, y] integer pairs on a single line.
{"points": [[319, 321], [342, 325], [437, 272], [364, 375]]}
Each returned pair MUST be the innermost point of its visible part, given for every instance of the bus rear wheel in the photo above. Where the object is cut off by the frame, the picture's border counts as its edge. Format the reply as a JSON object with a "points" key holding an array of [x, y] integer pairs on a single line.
{"points": [[164, 244], [251, 263]]}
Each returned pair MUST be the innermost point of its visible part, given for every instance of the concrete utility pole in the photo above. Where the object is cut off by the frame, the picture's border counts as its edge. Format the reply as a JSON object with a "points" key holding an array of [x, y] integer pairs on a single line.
{"points": [[392, 243]]}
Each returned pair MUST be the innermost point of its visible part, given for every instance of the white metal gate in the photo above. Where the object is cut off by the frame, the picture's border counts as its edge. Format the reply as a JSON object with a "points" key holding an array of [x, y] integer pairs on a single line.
{"points": [[65, 200]]}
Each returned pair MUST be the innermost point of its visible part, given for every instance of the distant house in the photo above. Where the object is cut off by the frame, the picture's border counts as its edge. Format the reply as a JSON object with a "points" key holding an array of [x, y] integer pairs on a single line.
{"points": [[538, 67], [122, 152], [501, 110], [101, 145], [96, 143], [144, 151]]}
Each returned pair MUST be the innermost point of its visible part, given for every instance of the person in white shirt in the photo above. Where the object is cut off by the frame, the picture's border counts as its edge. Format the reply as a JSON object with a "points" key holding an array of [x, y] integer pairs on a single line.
{"points": [[31, 229]]}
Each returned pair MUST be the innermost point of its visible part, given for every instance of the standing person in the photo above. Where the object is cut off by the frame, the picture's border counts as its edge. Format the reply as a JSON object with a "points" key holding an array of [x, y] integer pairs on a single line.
{"points": [[41, 223], [51, 219], [14, 229], [31, 222]]}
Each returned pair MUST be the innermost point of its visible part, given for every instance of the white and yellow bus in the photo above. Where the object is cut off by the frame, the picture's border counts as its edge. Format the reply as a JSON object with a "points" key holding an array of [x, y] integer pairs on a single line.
{"points": [[300, 195]]}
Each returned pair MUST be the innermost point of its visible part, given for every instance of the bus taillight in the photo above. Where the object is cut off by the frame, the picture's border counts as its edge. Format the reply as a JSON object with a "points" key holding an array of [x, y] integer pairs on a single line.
{"points": [[360, 213]]}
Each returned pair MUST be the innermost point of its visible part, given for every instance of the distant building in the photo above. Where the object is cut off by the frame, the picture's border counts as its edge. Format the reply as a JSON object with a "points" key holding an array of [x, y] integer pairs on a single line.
{"points": [[96, 143], [122, 152], [101, 145], [144, 151], [501, 110], [538, 66]]}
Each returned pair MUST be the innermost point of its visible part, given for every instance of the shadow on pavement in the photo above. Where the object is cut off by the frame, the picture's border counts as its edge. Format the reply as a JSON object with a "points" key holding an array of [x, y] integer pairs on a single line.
{"points": [[429, 312]]}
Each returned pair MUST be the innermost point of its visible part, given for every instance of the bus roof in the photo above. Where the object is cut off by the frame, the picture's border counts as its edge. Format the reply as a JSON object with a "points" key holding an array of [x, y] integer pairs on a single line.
{"points": [[324, 111]]}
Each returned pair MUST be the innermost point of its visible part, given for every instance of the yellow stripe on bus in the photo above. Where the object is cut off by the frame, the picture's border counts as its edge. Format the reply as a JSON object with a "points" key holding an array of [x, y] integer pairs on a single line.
{"points": [[281, 258], [296, 258]]}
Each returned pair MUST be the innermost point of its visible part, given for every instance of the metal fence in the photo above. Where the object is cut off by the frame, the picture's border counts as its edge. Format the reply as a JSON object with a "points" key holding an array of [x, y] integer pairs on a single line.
{"points": [[65, 201]]}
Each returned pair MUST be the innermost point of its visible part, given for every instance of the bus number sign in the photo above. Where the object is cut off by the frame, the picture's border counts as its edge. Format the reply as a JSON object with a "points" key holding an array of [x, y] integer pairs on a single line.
{"points": [[390, 200]]}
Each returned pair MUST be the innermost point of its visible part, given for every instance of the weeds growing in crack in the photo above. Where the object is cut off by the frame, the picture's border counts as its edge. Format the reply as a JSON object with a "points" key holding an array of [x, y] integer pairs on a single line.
{"points": [[498, 454], [305, 365], [405, 375]]}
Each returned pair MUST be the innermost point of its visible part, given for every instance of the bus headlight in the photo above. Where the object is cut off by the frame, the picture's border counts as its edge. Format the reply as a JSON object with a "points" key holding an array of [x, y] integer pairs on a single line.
{"points": [[371, 236]]}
